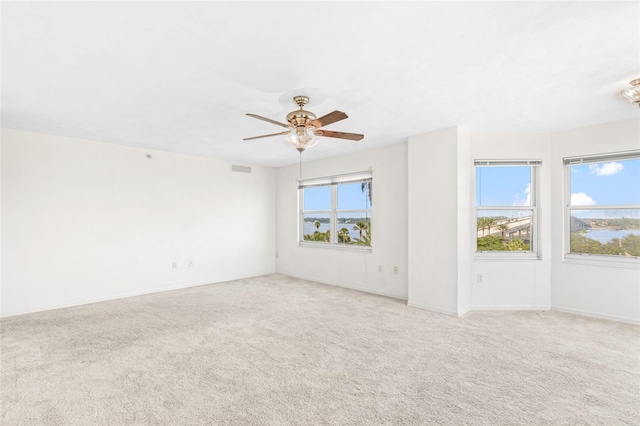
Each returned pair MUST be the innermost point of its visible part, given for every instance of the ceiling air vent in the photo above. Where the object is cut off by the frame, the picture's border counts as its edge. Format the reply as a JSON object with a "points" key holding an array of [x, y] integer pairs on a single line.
{"points": [[240, 169]]}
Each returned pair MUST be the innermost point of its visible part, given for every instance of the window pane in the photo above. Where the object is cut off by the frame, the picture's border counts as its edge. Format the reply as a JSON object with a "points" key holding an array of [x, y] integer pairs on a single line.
{"points": [[354, 228], [611, 232], [354, 196], [504, 230], [318, 198], [503, 186], [606, 183], [315, 227]]}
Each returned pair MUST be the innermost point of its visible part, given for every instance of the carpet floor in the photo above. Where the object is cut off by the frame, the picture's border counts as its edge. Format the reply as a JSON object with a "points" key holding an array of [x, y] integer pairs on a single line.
{"points": [[277, 350]]}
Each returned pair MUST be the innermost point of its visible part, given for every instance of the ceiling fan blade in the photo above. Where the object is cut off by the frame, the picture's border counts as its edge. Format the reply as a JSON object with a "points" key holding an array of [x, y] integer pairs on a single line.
{"points": [[332, 117], [259, 117], [266, 136], [339, 135]]}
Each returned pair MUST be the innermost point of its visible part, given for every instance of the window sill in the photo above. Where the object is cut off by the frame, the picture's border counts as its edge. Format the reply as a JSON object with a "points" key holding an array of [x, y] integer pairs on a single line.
{"points": [[347, 247], [603, 261], [483, 255]]}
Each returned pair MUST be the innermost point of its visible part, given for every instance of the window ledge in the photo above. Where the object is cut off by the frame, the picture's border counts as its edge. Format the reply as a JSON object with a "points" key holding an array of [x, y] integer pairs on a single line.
{"points": [[603, 261], [347, 247], [482, 255]]}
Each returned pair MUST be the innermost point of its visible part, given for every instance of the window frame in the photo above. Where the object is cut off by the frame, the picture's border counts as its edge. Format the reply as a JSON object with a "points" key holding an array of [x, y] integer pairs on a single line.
{"points": [[590, 258], [534, 252], [334, 182]]}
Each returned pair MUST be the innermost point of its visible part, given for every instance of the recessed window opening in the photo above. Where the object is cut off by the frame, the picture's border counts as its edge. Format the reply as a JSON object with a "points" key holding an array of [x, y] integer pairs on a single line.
{"points": [[336, 210], [506, 207], [603, 206]]}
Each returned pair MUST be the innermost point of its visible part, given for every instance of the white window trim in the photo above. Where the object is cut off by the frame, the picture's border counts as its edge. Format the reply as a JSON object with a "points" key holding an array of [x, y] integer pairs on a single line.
{"points": [[534, 252], [332, 181], [588, 258]]}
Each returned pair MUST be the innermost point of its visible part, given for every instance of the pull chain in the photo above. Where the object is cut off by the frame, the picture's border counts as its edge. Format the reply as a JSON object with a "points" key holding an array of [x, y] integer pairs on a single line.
{"points": [[300, 164]]}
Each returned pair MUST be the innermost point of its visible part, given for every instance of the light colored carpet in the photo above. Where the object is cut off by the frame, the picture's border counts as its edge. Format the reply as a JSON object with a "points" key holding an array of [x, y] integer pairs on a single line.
{"points": [[278, 350]]}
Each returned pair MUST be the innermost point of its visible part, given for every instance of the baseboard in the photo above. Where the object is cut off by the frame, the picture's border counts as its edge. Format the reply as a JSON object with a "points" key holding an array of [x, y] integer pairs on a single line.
{"points": [[435, 309], [464, 312], [598, 315], [511, 308], [87, 301], [362, 289]]}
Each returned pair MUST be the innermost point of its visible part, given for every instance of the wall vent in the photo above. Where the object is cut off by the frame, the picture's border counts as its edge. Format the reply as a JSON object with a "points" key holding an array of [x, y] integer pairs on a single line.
{"points": [[240, 169]]}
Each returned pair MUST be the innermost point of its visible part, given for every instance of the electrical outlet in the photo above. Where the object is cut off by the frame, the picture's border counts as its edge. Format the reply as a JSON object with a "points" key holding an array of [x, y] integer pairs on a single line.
{"points": [[395, 270], [480, 278], [190, 263], [174, 265], [379, 268]]}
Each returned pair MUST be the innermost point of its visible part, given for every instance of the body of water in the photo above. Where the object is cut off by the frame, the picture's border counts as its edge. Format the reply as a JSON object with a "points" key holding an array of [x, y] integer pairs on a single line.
{"points": [[309, 228], [606, 235]]}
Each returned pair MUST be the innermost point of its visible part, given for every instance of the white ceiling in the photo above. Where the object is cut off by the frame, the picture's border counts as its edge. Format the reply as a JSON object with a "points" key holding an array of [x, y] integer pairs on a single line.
{"points": [[180, 77]]}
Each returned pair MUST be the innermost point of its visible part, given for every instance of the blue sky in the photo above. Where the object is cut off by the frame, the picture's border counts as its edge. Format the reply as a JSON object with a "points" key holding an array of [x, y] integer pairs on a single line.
{"points": [[614, 182], [350, 197], [503, 186]]}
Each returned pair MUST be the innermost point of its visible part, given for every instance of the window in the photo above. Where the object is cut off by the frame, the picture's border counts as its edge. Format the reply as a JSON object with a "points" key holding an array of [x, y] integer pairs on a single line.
{"points": [[603, 206], [336, 211], [506, 207]]}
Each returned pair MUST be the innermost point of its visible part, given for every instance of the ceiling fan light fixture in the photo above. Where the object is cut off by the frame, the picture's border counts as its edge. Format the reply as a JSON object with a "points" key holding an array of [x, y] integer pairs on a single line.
{"points": [[632, 94], [300, 139]]}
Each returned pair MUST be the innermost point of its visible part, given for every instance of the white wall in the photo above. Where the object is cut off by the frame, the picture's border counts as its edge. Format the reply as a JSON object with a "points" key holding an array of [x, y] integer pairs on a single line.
{"points": [[515, 284], [603, 291], [466, 221], [439, 223], [343, 267], [0, 225], [85, 221]]}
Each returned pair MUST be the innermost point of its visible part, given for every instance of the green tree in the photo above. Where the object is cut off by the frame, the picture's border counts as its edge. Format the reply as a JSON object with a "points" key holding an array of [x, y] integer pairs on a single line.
{"points": [[579, 243], [366, 187], [364, 230], [517, 244], [631, 245], [343, 236], [317, 224], [361, 227], [503, 227], [491, 243], [318, 236], [486, 222]]}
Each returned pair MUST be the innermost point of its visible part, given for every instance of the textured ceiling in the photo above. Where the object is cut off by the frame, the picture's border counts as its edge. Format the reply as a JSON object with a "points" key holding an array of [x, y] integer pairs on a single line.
{"points": [[180, 77]]}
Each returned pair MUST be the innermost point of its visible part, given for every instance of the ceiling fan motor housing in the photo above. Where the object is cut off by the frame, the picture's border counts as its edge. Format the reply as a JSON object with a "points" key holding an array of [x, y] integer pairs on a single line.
{"points": [[300, 117]]}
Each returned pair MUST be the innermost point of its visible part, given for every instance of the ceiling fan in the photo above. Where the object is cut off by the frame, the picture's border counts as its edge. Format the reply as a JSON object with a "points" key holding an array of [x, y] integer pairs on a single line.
{"points": [[303, 126]]}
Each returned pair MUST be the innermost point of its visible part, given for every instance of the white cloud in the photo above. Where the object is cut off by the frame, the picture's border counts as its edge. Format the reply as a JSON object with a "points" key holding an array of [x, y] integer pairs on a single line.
{"points": [[606, 169], [526, 201], [582, 199]]}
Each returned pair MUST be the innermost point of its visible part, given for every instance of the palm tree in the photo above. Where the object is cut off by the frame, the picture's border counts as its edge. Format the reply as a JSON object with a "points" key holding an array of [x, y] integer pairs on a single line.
{"points": [[343, 236], [323, 237], [490, 223], [364, 229], [485, 222], [361, 227], [366, 187], [481, 225], [317, 224], [503, 227]]}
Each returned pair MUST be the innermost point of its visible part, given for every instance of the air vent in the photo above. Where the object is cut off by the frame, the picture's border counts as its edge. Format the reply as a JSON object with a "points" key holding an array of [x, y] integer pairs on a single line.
{"points": [[240, 169]]}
